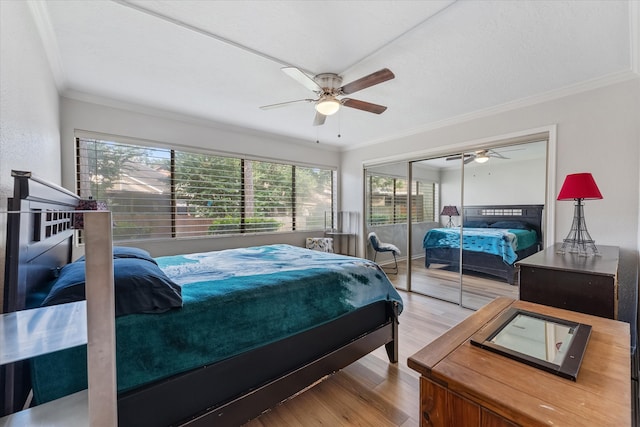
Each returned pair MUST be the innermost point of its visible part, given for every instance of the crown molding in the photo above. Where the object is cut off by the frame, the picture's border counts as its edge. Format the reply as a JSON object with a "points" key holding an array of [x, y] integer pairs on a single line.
{"points": [[634, 29], [193, 120], [552, 95], [40, 15]]}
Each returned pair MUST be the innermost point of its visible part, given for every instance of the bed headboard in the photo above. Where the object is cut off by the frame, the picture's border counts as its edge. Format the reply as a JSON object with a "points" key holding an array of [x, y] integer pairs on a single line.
{"points": [[528, 214], [39, 240], [39, 236]]}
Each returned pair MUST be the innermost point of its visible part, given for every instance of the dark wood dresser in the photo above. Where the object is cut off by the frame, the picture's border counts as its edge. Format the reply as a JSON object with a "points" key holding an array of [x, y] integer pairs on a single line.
{"points": [[578, 283]]}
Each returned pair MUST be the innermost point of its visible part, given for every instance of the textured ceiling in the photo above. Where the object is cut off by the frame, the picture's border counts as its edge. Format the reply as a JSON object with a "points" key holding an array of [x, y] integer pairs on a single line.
{"points": [[221, 60]]}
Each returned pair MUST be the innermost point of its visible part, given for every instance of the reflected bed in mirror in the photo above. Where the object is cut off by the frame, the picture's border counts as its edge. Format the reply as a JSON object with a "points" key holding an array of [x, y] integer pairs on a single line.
{"points": [[548, 343]]}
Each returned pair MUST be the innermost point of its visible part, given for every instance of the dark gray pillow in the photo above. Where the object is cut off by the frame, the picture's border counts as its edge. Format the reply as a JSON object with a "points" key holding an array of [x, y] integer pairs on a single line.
{"points": [[140, 287], [476, 224], [515, 225], [128, 252]]}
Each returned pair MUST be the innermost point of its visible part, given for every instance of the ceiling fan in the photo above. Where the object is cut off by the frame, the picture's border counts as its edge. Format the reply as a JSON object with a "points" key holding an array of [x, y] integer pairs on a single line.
{"points": [[328, 90], [479, 156]]}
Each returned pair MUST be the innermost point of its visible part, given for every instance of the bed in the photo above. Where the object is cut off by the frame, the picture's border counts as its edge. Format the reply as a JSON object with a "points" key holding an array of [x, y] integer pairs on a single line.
{"points": [[495, 237], [203, 376]]}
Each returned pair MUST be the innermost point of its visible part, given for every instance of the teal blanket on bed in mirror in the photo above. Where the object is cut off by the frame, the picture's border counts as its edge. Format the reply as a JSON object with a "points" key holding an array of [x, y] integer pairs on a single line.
{"points": [[234, 300], [496, 241]]}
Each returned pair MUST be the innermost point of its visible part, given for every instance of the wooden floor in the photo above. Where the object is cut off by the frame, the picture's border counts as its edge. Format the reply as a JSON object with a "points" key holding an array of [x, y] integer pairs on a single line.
{"points": [[437, 281], [372, 391]]}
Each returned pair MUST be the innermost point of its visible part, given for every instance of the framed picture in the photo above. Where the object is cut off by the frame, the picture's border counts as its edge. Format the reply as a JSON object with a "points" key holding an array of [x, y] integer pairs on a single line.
{"points": [[545, 342]]}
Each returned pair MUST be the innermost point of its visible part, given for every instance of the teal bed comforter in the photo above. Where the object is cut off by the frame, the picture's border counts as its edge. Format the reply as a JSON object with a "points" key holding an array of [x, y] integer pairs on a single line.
{"points": [[495, 241], [233, 301]]}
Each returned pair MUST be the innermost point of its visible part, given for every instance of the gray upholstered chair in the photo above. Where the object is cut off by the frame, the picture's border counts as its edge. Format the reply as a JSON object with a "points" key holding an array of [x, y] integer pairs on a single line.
{"points": [[379, 246]]}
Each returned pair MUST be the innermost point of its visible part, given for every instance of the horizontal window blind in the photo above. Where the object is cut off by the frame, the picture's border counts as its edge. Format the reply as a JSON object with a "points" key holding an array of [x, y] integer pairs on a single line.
{"points": [[387, 201], [162, 193]]}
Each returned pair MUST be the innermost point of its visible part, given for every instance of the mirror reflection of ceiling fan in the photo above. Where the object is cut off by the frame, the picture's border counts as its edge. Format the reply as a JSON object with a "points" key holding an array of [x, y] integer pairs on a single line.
{"points": [[480, 156], [328, 90]]}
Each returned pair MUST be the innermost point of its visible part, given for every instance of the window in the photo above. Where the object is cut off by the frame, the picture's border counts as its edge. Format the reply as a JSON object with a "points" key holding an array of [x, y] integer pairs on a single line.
{"points": [[163, 193], [387, 200]]}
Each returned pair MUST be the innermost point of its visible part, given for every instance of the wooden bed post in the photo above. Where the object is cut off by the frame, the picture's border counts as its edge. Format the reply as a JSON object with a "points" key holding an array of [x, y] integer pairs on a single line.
{"points": [[101, 336]]}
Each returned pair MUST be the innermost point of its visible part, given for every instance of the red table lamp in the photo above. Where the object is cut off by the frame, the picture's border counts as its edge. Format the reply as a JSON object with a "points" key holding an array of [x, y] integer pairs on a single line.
{"points": [[579, 186]]}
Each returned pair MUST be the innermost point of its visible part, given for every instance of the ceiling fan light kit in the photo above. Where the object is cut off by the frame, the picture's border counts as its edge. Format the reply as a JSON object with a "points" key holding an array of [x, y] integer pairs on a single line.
{"points": [[327, 87], [327, 106], [480, 156]]}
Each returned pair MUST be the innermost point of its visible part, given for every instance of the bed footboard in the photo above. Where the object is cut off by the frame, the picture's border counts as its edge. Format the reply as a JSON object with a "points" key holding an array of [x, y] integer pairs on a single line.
{"points": [[235, 390]]}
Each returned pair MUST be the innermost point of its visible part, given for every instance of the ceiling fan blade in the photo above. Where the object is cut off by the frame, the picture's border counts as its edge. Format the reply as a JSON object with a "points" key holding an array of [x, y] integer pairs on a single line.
{"points": [[284, 104], [492, 153], [306, 81], [319, 119], [469, 160], [367, 81], [458, 157], [362, 105], [507, 149]]}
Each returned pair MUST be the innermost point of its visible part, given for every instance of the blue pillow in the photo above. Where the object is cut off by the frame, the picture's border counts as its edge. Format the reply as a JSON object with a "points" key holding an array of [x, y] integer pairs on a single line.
{"points": [[476, 224], [140, 287], [517, 225], [128, 252]]}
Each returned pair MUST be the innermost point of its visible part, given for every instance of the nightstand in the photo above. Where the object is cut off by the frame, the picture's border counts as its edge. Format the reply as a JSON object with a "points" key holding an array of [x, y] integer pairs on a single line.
{"points": [[577, 283]]}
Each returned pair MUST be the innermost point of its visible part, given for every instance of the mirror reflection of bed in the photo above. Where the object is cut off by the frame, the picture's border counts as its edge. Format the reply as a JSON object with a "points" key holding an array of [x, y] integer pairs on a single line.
{"points": [[513, 175], [495, 238]]}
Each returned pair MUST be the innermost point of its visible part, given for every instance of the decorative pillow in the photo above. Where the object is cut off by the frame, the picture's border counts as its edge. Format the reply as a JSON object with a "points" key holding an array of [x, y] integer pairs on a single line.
{"points": [[322, 244], [517, 225], [128, 252], [140, 287], [476, 224]]}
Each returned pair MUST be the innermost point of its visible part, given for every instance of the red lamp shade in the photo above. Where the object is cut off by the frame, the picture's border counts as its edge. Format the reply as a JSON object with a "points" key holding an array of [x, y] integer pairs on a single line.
{"points": [[579, 186]]}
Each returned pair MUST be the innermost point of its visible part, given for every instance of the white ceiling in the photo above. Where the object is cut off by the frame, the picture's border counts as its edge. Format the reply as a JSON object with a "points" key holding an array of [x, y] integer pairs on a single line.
{"points": [[221, 60]]}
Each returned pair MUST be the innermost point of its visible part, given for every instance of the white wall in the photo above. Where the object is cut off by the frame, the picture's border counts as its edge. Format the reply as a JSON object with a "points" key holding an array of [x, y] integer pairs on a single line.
{"points": [[598, 131], [497, 182], [176, 131], [29, 106], [29, 123]]}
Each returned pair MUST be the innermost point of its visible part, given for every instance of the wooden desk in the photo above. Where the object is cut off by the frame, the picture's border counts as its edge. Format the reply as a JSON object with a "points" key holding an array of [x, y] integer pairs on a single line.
{"points": [[578, 283], [464, 385]]}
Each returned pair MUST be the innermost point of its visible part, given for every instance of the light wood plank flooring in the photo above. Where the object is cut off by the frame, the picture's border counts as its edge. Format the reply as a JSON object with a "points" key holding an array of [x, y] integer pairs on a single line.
{"points": [[479, 289], [372, 391]]}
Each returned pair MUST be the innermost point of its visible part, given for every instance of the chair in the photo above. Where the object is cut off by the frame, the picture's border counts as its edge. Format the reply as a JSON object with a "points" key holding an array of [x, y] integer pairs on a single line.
{"points": [[379, 246]]}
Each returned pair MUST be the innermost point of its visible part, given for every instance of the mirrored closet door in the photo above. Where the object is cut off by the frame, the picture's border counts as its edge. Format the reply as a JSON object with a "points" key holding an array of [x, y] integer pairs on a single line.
{"points": [[461, 220], [435, 264], [502, 208], [387, 190]]}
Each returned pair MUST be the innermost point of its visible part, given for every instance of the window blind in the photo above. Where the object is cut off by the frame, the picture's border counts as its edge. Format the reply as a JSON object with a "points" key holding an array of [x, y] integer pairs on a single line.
{"points": [[387, 200], [164, 193]]}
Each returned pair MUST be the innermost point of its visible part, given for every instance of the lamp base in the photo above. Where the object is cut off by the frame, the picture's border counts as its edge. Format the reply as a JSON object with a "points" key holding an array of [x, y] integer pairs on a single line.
{"points": [[579, 240], [579, 246], [450, 224]]}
